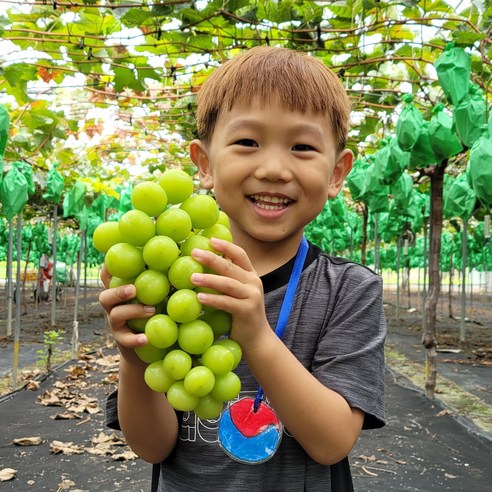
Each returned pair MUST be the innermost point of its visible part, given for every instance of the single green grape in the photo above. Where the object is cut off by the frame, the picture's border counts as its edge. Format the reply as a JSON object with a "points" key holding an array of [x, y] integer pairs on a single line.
{"points": [[223, 219], [149, 197], [181, 271], [220, 321], [180, 399], [157, 378], [219, 231], [183, 306], [178, 185], [174, 223], [106, 235], [124, 260], [195, 336], [177, 363], [208, 408], [161, 331], [234, 347], [118, 282], [148, 353], [160, 252], [199, 381], [226, 387], [195, 241], [202, 209], [136, 227], [152, 287], [219, 359]]}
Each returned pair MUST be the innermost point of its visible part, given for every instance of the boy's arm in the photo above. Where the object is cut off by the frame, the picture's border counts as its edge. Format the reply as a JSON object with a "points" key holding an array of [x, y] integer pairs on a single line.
{"points": [[318, 418], [149, 423]]}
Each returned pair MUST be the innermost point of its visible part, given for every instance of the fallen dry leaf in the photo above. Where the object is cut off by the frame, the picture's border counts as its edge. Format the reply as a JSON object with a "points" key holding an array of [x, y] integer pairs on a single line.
{"points": [[66, 484], [76, 372], [444, 412], [28, 441], [7, 474], [58, 447], [125, 456], [33, 385], [109, 360], [111, 438], [50, 399]]}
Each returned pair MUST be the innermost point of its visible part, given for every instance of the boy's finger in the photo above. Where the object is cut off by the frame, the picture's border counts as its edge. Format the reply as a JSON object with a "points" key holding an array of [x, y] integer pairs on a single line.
{"points": [[105, 276], [129, 339], [112, 297], [232, 251]]}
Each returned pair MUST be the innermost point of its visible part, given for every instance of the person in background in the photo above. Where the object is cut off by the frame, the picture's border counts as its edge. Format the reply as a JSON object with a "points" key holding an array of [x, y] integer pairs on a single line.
{"points": [[45, 277]]}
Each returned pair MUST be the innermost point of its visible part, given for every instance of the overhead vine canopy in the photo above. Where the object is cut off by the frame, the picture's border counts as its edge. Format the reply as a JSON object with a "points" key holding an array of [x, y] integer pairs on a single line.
{"points": [[143, 61]]}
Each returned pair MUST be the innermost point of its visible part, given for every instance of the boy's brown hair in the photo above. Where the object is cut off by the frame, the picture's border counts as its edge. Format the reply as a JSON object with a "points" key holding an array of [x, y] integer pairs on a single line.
{"points": [[298, 81]]}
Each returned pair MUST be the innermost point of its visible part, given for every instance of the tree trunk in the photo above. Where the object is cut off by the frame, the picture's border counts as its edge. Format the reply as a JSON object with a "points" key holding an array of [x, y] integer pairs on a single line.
{"points": [[429, 339]]}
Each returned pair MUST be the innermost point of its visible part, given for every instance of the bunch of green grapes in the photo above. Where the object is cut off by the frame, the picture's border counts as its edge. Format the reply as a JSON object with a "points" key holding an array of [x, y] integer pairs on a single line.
{"points": [[189, 354]]}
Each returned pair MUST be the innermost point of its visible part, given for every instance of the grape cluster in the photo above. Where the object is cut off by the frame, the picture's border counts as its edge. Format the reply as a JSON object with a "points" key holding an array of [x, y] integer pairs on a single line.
{"points": [[189, 356]]}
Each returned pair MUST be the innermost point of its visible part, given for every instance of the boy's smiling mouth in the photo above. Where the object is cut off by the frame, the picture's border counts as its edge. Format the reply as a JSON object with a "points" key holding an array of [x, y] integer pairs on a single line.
{"points": [[270, 202]]}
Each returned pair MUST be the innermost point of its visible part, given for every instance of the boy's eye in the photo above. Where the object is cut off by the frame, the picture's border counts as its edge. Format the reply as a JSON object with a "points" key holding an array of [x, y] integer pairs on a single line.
{"points": [[246, 142], [302, 147]]}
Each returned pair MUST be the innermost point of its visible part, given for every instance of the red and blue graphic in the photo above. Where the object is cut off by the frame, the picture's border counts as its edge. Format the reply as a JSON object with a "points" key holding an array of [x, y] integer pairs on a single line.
{"points": [[247, 436]]}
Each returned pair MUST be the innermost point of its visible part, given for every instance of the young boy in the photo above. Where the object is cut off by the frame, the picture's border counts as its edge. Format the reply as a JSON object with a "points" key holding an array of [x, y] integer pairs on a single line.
{"points": [[272, 125]]}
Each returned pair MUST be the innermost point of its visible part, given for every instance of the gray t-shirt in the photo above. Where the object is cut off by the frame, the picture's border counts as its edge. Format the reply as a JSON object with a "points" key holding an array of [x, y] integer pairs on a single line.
{"points": [[337, 330]]}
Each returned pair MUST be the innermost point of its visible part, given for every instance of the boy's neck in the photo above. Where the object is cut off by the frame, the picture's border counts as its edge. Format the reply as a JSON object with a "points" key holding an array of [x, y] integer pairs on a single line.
{"points": [[268, 256]]}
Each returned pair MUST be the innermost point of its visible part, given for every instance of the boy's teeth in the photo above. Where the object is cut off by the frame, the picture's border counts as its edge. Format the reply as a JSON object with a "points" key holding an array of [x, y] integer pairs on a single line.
{"points": [[270, 199]]}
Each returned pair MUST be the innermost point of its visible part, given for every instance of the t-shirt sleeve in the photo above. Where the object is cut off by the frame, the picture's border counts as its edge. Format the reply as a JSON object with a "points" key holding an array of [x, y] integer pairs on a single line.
{"points": [[350, 355], [112, 411]]}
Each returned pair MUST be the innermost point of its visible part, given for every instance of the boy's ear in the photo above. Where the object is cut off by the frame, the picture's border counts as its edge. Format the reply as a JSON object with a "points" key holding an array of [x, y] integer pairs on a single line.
{"points": [[342, 167], [199, 155]]}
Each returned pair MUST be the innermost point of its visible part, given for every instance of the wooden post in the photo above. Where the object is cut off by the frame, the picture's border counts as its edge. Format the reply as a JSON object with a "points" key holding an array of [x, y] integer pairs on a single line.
{"points": [[463, 283]]}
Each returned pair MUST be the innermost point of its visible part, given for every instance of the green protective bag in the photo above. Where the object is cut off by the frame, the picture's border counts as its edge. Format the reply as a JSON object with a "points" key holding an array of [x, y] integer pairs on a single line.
{"points": [[73, 201], [4, 134], [390, 224], [92, 222], [470, 116], [459, 198], [391, 161], [99, 206], [479, 169], [403, 195], [422, 153], [338, 209], [409, 124], [125, 199], [453, 69], [356, 179], [55, 185], [13, 192], [444, 141], [375, 194], [83, 217], [26, 170]]}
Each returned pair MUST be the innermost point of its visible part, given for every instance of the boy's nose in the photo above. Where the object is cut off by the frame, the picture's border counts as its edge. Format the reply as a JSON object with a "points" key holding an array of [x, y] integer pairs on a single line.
{"points": [[273, 167]]}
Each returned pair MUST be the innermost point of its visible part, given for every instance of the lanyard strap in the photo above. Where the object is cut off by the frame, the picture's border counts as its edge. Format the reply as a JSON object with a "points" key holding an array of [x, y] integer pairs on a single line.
{"points": [[283, 317]]}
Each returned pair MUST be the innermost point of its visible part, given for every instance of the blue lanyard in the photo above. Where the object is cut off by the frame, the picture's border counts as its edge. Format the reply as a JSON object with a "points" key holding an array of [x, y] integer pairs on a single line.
{"points": [[283, 317]]}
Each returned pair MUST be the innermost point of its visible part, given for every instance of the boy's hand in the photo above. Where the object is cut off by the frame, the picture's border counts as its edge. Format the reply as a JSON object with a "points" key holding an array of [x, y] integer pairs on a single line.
{"points": [[118, 312], [241, 290]]}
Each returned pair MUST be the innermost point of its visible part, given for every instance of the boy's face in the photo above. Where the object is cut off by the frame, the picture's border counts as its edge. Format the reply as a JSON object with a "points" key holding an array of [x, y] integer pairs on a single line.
{"points": [[271, 169]]}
